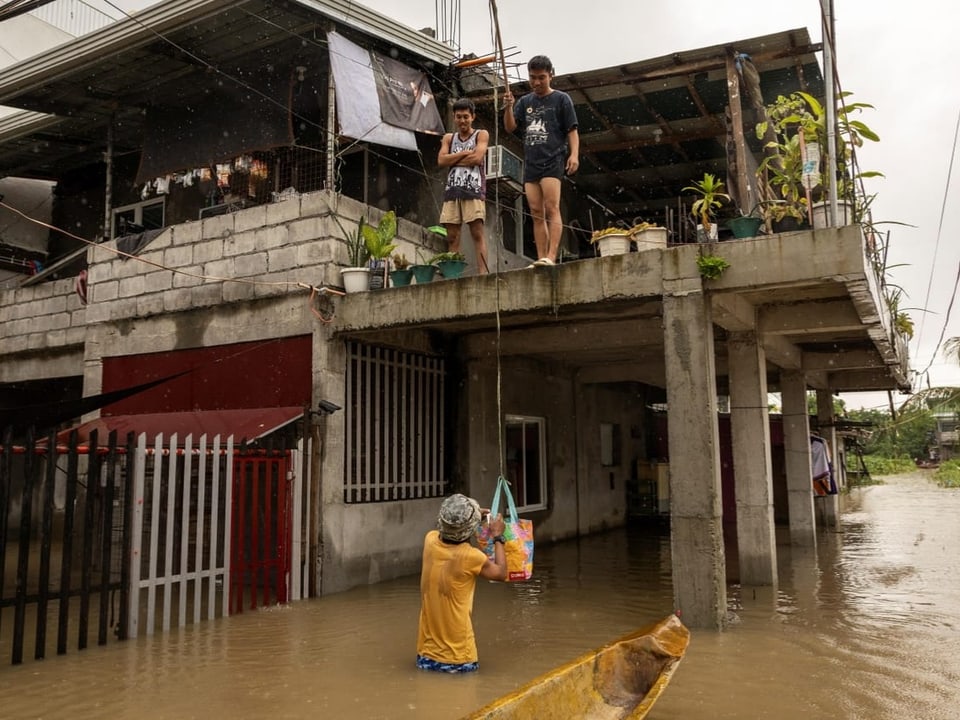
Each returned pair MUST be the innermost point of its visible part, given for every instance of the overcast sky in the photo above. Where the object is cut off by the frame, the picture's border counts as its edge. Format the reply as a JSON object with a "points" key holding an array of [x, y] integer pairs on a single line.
{"points": [[898, 57]]}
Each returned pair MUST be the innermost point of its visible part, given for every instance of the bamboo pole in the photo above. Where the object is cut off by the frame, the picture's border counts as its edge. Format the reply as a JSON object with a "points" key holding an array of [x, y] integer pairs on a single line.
{"points": [[503, 59]]}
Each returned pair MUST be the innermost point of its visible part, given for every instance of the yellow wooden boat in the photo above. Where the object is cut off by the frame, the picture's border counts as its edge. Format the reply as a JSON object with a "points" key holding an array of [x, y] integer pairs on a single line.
{"points": [[619, 681]]}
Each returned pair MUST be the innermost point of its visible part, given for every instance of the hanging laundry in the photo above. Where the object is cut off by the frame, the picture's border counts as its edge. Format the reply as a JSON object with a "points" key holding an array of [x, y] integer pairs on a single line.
{"points": [[820, 467], [223, 175]]}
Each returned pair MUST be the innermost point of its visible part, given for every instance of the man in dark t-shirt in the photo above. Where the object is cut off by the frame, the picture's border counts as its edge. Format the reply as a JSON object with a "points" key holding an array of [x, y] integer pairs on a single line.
{"points": [[547, 121]]}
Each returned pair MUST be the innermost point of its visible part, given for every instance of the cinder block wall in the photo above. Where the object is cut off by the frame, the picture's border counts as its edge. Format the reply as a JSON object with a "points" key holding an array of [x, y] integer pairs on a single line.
{"points": [[264, 251]]}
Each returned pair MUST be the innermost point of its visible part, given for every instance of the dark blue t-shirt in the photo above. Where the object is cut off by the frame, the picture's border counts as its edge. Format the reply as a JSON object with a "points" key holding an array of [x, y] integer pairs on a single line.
{"points": [[544, 123]]}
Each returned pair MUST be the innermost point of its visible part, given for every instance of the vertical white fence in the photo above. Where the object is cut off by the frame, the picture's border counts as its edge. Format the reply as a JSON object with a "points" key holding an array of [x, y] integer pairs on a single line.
{"points": [[181, 500]]}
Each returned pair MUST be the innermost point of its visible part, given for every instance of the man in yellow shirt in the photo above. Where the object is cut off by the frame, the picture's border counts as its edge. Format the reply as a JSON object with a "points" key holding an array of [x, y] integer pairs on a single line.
{"points": [[445, 640]]}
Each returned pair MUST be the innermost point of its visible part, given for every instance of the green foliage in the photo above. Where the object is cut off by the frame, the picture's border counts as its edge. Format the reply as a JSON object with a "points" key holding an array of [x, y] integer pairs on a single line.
{"points": [[711, 192], [902, 322], [357, 254], [379, 239], [711, 266], [447, 257], [951, 349], [801, 111], [879, 465], [935, 399], [839, 405], [909, 437], [948, 474]]}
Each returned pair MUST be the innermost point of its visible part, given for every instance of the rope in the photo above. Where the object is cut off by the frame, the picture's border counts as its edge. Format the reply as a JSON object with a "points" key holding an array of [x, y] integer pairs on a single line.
{"points": [[496, 192]]}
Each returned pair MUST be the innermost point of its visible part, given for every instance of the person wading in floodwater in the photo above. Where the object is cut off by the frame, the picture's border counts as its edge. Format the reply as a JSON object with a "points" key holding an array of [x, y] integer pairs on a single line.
{"points": [[445, 640]]}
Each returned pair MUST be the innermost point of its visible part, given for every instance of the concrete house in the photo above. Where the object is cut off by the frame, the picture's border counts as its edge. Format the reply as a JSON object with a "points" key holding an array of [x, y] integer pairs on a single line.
{"points": [[206, 158]]}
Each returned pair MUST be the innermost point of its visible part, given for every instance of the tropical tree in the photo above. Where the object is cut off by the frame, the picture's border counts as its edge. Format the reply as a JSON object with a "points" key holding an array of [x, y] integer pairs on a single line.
{"points": [[951, 349], [910, 435]]}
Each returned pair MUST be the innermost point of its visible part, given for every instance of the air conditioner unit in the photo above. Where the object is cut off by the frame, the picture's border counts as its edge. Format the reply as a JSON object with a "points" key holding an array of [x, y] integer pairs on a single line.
{"points": [[504, 165]]}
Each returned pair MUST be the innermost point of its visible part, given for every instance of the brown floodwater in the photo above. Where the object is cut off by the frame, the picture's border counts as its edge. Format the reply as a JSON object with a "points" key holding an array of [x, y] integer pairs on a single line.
{"points": [[864, 627]]}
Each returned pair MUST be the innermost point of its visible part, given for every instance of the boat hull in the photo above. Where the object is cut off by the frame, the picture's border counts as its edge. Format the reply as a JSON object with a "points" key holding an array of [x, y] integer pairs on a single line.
{"points": [[619, 681]]}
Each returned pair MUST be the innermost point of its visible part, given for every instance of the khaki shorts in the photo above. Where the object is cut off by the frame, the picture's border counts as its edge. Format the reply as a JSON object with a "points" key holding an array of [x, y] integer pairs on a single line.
{"points": [[457, 212]]}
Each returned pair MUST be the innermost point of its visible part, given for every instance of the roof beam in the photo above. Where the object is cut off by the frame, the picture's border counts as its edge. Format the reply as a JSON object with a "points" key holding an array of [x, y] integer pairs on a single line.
{"points": [[829, 316]]}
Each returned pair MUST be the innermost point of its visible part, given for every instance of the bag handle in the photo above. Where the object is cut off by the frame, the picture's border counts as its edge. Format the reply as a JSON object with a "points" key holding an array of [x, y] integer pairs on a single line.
{"points": [[504, 485]]}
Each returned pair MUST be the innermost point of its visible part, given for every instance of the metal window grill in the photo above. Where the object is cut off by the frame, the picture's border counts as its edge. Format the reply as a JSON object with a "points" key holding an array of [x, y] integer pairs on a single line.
{"points": [[393, 447]]}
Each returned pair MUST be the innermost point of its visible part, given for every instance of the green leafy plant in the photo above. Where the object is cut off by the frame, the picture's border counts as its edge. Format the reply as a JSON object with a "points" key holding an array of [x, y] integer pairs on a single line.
{"points": [[379, 239], [422, 260], [711, 266], [447, 257], [800, 112], [711, 191], [357, 254], [902, 322]]}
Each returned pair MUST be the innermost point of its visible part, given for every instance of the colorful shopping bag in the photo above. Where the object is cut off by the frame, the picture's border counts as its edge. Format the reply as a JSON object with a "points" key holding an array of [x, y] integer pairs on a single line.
{"points": [[518, 534]]}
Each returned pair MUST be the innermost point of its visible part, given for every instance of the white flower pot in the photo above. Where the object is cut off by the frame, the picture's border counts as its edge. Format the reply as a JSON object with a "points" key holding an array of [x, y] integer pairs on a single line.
{"points": [[614, 244], [355, 279], [707, 237], [651, 238], [821, 213]]}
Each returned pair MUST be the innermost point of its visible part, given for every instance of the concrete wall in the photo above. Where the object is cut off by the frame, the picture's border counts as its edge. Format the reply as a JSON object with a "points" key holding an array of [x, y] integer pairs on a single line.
{"points": [[42, 331], [364, 543]]}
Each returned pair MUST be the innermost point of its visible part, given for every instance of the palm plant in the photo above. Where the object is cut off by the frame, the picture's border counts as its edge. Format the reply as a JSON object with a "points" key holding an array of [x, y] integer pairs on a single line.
{"points": [[711, 191]]}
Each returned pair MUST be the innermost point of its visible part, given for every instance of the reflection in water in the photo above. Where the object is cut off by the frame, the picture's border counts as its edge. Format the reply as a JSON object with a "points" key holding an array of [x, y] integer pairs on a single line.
{"points": [[863, 627]]}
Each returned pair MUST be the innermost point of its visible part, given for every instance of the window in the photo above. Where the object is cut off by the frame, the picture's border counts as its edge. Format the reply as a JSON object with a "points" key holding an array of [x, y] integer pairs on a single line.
{"points": [[138, 217], [524, 446], [394, 423]]}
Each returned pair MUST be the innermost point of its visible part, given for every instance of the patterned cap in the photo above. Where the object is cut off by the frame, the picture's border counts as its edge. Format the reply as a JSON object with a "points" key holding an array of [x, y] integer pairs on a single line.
{"points": [[458, 519]]}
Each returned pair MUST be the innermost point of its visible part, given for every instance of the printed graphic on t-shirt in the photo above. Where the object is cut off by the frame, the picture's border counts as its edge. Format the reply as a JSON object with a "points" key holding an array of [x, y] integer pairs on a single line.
{"points": [[465, 181], [537, 127]]}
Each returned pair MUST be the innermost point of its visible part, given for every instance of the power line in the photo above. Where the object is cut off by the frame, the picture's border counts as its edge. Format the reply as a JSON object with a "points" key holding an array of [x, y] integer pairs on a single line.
{"points": [[933, 263]]}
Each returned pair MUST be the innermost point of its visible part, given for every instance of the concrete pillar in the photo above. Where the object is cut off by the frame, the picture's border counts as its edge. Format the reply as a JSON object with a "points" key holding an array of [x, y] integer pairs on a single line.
{"points": [[828, 508], [696, 528], [326, 489], [750, 424], [796, 443]]}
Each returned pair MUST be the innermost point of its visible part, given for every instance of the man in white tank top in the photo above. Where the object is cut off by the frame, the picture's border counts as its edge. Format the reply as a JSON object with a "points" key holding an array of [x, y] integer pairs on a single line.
{"points": [[464, 196]]}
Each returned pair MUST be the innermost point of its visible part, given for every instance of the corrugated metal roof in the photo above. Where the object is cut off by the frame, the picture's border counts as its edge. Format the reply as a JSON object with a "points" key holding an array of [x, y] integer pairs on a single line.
{"points": [[72, 16], [246, 424]]}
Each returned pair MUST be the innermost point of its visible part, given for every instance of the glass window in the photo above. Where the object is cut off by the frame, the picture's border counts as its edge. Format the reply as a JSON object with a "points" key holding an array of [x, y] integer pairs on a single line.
{"points": [[524, 446], [136, 218]]}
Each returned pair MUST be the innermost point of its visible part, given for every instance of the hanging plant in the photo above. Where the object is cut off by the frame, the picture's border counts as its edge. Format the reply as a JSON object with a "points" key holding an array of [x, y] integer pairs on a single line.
{"points": [[711, 266]]}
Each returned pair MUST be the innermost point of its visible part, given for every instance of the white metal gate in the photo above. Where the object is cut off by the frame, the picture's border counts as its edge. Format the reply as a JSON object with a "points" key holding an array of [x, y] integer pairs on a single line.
{"points": [[181, 531]]}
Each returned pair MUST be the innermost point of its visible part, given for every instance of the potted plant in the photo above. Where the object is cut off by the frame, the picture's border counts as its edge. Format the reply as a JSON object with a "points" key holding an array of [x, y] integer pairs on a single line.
{"points": [[648, 235], [746, 225], [796, 136], [450, 264], [401, 275], [356, 276], [379, 243], [423, 270], [711, 192], [612, 240]]}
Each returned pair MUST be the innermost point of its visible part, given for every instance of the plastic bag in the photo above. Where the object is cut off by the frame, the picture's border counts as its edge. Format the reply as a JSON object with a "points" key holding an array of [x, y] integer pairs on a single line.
{"points": [[517, 532]]}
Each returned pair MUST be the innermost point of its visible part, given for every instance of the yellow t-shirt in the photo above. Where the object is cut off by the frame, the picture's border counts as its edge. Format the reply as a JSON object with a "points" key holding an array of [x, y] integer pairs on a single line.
{"points": [[447, 581]]}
